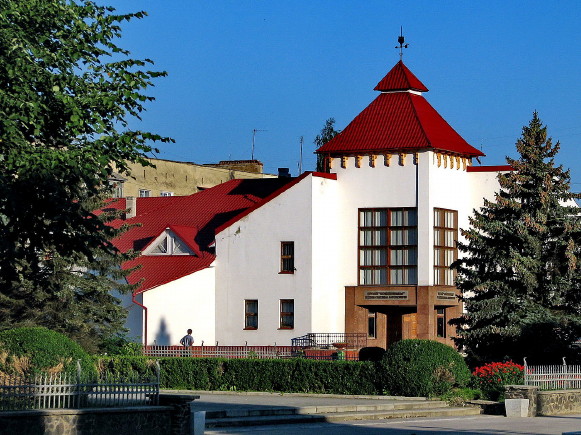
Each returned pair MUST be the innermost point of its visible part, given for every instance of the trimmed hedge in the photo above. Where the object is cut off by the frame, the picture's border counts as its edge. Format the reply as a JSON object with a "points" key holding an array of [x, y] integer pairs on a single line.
{"points": [[424, 368], [37, 350], [283, 375]]}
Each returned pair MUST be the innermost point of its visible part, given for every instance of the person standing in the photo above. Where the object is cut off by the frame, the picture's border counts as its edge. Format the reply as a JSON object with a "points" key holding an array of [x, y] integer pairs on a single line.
{"points": [[187, 340]]}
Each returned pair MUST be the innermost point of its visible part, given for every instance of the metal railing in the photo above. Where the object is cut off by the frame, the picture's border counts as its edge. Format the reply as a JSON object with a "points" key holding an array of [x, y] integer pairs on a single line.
{"points": [[553, 377], [62, 390], [330, 340], [229, 352]]}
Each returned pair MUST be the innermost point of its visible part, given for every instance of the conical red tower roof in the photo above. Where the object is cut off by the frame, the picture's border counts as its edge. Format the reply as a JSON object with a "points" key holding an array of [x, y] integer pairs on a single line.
{"points": [[400, 78], [399, 119]]}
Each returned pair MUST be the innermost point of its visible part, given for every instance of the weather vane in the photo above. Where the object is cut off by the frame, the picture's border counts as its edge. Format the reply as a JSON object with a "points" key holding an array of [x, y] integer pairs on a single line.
{"points": [[401, 41]]}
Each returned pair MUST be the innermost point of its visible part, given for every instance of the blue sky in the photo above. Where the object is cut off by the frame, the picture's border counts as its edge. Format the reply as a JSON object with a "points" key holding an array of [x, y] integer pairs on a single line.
{"points": [[287, 66]]}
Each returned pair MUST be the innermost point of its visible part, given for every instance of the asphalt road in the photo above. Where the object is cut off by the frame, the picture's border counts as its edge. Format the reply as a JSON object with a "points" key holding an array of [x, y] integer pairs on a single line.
{"points": [[484, 424]]}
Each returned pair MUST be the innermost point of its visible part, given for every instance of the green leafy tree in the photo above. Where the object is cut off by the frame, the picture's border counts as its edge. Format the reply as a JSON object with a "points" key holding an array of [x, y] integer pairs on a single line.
{"points": [[327, 133], [521, 278], [67, 95]]}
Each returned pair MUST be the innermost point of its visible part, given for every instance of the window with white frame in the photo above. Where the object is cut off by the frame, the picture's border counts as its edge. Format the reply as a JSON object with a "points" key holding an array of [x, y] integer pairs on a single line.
{"points": [[445, 249], [165, 193], [144, 193], [169, 244], [388, 246]]}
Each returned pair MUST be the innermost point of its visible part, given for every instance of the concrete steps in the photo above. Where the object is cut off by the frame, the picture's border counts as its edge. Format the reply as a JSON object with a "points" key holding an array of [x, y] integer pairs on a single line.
{"points": [[286, 415]]}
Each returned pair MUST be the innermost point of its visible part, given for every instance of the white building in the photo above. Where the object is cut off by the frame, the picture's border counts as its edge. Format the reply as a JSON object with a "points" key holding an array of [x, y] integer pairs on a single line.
{"points": [[364, 247]]}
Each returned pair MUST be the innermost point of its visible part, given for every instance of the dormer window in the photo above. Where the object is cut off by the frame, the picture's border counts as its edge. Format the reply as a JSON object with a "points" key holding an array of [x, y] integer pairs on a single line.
{"points": [[168, 244]]}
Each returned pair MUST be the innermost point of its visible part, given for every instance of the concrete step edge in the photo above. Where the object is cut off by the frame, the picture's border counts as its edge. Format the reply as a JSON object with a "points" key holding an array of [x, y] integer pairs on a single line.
{"points": [[334, 417], [306, 410]]}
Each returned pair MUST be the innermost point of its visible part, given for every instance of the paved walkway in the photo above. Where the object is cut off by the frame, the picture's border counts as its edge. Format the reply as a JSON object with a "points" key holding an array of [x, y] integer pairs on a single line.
{"points": [[485, 424]]}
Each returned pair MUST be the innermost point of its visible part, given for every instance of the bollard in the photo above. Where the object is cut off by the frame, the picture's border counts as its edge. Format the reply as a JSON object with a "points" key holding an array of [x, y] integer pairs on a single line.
{"points": [[197, 421]]}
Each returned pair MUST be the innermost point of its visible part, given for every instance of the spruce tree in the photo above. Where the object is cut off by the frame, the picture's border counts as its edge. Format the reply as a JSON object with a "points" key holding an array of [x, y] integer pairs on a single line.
{"points": [[520, 275]]}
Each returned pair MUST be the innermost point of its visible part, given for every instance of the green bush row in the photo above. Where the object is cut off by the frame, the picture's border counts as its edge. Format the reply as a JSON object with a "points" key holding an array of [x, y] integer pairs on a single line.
{"points": [[33, 350], [284, 375]]}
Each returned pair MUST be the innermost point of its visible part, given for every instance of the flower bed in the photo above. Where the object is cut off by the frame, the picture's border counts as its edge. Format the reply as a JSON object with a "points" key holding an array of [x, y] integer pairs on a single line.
{"points": [[491, 378]]}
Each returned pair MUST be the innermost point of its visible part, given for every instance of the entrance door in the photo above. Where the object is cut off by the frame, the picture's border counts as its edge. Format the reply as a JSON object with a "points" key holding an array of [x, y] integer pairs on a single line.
{"points": [[394, 328]]}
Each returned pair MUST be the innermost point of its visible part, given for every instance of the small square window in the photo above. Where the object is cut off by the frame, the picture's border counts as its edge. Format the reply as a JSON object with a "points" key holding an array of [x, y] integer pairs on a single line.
{"points": [[287, 314], [251, 314], [162, 193], [371, 324], [144, 193], [287, 257]]}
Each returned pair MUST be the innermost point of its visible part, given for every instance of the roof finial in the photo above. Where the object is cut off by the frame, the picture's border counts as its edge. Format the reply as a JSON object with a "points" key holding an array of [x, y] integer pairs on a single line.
{"points": [[401, 41]]}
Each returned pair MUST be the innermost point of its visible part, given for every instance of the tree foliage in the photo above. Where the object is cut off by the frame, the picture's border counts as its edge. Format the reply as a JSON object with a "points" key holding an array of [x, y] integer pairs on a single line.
{"points": [[67, 95], [521, 278], [328, 132]]}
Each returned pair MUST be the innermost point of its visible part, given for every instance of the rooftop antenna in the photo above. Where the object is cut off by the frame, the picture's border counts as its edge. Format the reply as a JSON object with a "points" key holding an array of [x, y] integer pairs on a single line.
{"points": [[301, 157], [254, 131], [401, 42]]}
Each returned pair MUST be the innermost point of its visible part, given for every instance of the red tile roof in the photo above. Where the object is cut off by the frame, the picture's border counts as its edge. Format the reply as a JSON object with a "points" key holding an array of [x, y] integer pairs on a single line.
{"points": [[194, 219], [398, 121], [400, 78]]}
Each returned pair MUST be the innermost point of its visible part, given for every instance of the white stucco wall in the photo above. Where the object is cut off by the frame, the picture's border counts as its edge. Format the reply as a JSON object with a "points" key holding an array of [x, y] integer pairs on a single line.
{"points": [[186, 303], [368, 187], [328, 287], [426, 186], [248, 263]]}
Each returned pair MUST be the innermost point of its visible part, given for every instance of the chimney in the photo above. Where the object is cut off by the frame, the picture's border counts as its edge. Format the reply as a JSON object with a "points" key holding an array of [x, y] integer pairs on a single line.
{"points": [[283, 173], [131, 205]]}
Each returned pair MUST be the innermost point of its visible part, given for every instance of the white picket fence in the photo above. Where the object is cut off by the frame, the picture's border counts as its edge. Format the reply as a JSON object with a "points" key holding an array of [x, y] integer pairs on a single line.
{"points": [[56, 391], [270, 352], [553, 377]]}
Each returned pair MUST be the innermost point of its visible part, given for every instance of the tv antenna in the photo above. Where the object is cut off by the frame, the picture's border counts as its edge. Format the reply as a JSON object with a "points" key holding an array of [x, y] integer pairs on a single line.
{"points": [[254, 131], [401, 42], [301, 156]]}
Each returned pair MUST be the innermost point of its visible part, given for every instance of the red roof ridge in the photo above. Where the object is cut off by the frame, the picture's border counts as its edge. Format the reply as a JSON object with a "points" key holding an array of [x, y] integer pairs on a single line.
{"points": [[497, 168], [419, 121], [274, 195]]}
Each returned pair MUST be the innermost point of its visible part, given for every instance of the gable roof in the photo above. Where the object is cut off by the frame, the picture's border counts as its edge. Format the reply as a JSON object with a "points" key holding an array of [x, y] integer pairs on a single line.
{"points": [[398, 120], [194, 219], [274, 195]]}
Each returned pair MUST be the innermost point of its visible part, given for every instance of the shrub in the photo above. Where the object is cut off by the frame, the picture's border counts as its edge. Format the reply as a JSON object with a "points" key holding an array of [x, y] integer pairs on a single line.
{"points": [[371, 354], [282, 375], [491, 378], [33, 350], [120, 345], [459, 396], [424, 368]]}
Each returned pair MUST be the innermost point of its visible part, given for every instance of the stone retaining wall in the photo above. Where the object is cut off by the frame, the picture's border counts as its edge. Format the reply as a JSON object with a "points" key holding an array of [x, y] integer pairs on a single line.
{"points": [[559, 402], [173, 416], [145, 420]]}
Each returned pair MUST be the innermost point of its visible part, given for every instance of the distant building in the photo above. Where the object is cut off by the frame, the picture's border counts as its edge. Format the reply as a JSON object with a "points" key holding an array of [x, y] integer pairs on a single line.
{"points": [[363, 248], [172, 178]]}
